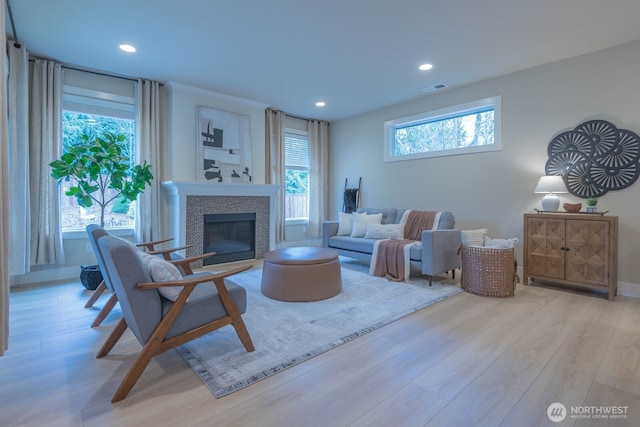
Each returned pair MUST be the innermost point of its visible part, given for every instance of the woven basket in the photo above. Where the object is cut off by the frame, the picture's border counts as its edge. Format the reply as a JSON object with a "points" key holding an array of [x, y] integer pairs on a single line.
{"points": [[90, 276], [489, 272]]}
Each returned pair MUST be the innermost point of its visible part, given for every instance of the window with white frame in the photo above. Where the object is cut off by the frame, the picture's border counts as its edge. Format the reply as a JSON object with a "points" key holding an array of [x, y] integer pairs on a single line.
{"points": [[296, 175], [94, 112], [467, 128]]}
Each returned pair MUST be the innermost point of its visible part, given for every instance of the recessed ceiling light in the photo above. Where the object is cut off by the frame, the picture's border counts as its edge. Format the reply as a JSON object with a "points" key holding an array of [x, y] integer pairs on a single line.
{"points": [[425, 67], [320, 104], [127, 48]]}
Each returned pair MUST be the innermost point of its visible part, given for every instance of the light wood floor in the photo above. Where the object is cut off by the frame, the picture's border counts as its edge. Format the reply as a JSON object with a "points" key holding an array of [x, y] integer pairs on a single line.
{"points": [[465, 361]]}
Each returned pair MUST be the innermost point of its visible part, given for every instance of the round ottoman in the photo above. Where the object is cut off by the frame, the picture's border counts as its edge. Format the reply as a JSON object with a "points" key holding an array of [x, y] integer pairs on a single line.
{"points": [[301, 274]]}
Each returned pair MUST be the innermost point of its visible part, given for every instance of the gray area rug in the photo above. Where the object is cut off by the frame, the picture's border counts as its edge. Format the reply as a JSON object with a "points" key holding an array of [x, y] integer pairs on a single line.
{"points": [[285, 333]]}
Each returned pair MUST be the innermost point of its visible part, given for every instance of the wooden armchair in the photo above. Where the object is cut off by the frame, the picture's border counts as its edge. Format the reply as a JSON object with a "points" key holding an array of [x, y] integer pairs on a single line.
{"points": [[160, 324], [95, 232]]}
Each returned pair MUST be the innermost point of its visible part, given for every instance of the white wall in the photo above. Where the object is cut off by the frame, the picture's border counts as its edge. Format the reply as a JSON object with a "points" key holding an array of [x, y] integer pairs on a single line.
{"points": [[180, 143], [494, 189]]}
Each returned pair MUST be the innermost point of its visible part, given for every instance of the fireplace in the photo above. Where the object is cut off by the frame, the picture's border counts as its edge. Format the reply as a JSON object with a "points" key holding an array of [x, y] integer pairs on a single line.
{"points": [[189, 202], [231, 236]]}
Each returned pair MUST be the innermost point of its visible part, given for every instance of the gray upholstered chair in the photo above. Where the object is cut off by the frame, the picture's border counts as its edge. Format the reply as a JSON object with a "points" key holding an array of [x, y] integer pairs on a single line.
{"points": [[95, 232], [160, 324]]}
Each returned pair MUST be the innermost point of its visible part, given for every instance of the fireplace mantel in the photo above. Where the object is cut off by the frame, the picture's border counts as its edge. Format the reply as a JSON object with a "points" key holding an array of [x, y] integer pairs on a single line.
{"points": [[177, 193]]}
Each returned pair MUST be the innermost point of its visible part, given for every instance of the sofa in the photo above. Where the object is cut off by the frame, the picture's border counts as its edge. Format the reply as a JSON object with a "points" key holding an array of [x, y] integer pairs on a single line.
{"points": [[436, 253]]}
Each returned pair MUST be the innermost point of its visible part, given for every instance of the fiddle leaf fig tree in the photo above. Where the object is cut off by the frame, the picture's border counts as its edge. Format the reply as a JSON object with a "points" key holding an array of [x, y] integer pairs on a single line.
{"points": [[96, 164]]}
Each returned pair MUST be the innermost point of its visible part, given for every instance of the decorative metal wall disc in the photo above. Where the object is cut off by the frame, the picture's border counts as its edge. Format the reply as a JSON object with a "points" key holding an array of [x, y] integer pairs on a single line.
{"points": [[603, 134], [594, 158], [571, 141], [561, 163]]}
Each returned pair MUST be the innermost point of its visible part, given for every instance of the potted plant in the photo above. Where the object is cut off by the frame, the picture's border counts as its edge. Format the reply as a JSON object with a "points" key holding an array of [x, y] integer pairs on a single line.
{"points": [[97, 163], [592, 205]]}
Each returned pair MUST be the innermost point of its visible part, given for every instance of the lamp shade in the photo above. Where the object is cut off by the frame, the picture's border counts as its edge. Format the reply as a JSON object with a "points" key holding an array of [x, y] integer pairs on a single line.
{"points": [[550, 185]]}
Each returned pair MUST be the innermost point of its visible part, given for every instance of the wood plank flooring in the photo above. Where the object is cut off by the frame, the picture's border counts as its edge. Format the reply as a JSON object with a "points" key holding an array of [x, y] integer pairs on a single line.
{"points": [[466, 361]]}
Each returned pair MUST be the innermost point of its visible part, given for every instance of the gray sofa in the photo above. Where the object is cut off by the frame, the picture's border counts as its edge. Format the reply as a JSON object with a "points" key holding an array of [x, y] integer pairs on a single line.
{"points": [[437, 253]]}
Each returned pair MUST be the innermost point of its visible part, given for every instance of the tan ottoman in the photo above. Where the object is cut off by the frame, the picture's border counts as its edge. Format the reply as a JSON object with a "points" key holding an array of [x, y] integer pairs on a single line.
{"points": [[301, 274]]}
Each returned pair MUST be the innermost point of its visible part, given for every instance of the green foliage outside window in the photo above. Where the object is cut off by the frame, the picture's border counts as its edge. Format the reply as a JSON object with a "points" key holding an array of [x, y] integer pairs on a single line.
{"points": [[451, 133]]}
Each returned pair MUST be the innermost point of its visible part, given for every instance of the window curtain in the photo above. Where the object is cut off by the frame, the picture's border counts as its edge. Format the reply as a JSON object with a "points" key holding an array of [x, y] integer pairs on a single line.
{"points": [[274, 155], [19, 208], [45, 145], [318, 134], [4, 200], [148, 143]]}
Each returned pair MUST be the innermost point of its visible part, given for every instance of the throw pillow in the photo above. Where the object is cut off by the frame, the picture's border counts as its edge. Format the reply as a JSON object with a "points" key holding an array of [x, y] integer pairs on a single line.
{"points": [[161, 270], [473, 237], [500, 243], [360, 222], [345, 224], [384, 231]]}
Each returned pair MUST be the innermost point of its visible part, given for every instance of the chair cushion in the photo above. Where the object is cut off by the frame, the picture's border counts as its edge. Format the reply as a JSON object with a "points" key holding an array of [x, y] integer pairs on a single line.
{"points": [[204, 306]]}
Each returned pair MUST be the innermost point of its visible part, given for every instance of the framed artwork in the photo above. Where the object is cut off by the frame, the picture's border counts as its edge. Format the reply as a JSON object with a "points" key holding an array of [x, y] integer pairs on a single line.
{"points": [[224, 146]]}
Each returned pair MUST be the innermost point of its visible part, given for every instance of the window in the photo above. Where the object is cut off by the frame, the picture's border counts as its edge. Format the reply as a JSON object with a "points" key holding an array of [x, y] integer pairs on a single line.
{"points": [[468, 128], [89, 111], [296, 160]]}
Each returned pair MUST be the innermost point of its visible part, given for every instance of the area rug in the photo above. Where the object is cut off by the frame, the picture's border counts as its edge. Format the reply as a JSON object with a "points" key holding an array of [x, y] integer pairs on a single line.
{"points": [[285, 333]]}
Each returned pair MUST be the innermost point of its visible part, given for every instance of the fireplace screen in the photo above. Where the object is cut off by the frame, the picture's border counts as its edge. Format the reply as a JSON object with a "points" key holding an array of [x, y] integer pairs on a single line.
{"points": [[231, 236]]}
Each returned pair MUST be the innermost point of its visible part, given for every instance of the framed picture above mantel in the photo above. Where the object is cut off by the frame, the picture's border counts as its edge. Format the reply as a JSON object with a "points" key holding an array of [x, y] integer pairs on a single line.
{"points": [[223, 146]]}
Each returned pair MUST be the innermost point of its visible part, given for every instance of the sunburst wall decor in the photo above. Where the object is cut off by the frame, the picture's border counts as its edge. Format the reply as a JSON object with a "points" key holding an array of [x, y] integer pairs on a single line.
{"points": [[594, 158]]}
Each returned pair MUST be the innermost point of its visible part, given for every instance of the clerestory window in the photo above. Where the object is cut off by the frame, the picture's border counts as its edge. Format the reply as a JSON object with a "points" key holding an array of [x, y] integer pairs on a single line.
{"points": [[468, 128]]}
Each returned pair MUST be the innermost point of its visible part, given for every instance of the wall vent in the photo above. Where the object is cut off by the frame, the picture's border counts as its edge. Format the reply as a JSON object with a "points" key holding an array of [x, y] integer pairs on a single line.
{"points": [[434, 87]]}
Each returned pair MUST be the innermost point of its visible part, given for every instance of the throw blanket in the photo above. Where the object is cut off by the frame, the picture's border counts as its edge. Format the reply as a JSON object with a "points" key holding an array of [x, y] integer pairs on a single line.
{"points": [[391, 258]]}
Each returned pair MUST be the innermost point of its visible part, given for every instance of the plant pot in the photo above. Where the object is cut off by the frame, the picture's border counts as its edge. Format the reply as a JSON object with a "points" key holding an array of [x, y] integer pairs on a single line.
{"points": [[592, 209]]}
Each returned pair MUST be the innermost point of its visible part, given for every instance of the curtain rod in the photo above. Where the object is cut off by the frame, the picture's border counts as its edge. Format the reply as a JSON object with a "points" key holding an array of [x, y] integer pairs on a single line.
{"points": [[99, 73], [302, 118], [16, 43]]}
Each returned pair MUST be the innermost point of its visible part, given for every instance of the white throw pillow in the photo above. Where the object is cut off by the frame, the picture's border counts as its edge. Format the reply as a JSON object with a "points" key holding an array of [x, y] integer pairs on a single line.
{"points": [[145, 260], [473, 237], [500, 243], [345, 224], [161, 270], [384, 231], [360, 222]]}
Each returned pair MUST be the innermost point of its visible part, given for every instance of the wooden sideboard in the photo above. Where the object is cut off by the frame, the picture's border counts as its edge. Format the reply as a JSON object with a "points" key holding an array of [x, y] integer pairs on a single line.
{"points": [[572, 249]]}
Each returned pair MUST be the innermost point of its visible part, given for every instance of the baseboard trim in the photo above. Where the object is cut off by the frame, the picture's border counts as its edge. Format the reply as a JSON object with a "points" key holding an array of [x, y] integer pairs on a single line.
{"points": [[52, 275], [629, 289]]}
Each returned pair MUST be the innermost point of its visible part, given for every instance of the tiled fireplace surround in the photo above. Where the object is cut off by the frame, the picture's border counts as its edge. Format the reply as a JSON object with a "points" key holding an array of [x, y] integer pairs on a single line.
{"points": [[189, 201]]}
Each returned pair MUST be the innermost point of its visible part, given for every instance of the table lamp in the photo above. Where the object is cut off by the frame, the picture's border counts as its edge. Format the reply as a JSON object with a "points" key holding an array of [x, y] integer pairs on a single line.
{"points": [[550, 185]]}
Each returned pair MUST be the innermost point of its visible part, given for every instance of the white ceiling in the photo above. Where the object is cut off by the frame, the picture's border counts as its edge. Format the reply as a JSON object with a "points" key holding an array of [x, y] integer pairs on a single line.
{"points": [[356, 55]]}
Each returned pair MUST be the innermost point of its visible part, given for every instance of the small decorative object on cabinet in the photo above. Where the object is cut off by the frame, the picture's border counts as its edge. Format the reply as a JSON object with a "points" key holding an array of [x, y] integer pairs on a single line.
{"points": [[572, 249], [592, 205]]}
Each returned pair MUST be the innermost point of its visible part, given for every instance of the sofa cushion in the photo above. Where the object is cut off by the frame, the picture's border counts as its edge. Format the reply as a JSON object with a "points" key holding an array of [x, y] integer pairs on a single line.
{"points": [[356, 244], [389, 215], [360, 221], [345, 224], [384, 231]]}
